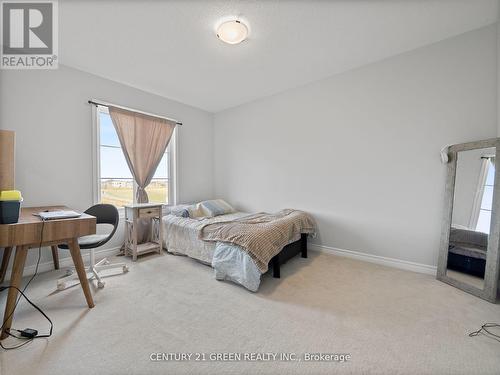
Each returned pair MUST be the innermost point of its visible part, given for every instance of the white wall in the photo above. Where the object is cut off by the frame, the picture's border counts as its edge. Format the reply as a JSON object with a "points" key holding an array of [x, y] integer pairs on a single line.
{"points": [[48, 110], [360, 150]]}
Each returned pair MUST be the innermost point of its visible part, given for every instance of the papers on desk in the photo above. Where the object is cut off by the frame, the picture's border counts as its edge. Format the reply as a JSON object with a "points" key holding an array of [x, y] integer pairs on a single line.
{"points": [[56, 215]]}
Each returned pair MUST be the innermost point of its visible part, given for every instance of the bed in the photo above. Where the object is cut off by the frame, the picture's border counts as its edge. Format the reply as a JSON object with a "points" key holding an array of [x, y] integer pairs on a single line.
{"points": [[182, 236], [467, 251]]}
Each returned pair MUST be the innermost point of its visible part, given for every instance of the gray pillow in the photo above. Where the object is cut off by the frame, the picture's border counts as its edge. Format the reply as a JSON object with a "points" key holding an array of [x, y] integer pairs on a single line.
{"points": [[180, 211]]}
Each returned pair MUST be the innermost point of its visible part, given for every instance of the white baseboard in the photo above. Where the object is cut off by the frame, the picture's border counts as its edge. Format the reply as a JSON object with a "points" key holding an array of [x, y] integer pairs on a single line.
{"points": [[390, 262], [65, 262]]}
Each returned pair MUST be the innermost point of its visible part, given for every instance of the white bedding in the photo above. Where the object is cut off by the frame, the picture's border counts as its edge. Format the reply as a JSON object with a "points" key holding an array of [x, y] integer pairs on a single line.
{"points": [[181, 235], [230, 262]]}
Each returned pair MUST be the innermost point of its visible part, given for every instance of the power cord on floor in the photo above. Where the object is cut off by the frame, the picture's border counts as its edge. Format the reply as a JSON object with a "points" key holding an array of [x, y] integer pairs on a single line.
{"points": [[484, 330], [27, 334]]}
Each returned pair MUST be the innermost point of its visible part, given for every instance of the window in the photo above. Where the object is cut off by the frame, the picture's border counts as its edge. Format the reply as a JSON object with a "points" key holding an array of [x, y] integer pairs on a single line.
{"points": [[484, 219], [114, 183]]}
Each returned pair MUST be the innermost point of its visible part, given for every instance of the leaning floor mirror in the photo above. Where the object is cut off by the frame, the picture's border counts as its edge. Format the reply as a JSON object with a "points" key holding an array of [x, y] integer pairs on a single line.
{"points": [[469, 254]]}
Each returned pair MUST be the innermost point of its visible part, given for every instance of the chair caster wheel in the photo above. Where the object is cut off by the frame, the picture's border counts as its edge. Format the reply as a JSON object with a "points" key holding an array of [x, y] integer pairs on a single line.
{"points": [[125, 269], [69, 272], [100, 284]]}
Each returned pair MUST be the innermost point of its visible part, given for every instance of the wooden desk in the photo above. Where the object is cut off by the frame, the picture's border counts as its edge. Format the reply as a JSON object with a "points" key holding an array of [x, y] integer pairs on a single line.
{"points": [[26, 234]]}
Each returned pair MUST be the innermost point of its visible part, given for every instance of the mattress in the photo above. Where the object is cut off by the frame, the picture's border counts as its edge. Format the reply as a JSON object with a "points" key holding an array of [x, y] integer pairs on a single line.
{"points": [[181, 235]]}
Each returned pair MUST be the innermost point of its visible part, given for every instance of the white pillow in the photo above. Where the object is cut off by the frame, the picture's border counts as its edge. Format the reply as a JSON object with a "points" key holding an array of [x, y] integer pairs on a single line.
{"points": [[195, 210]]}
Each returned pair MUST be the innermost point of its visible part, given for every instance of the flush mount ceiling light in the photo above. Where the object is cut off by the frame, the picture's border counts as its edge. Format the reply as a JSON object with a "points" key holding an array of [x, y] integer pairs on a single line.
{"points": [[232, 32]]}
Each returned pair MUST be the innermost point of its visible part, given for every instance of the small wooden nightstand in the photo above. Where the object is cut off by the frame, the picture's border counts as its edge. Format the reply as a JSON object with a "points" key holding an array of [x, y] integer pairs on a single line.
{"points": [[151, 211]]}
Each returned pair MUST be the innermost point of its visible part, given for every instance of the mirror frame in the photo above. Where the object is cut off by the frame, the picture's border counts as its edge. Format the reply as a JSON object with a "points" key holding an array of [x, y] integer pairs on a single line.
{"points": [[491, 274]]}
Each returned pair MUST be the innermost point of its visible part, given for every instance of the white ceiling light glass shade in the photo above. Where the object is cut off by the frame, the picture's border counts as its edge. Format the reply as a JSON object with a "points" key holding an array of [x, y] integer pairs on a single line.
{"points": [[232, 32]]}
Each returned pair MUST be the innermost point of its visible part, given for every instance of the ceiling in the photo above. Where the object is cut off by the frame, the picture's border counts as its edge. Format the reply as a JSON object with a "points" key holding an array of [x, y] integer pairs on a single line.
{"points": [[169, 47]]}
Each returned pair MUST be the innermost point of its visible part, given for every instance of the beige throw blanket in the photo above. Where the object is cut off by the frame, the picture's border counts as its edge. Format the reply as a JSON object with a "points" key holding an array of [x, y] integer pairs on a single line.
{"points": [[261, 235]]}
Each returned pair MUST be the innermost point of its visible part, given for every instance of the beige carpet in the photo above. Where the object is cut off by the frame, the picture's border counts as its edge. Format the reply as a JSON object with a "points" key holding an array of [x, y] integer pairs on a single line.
{"points": [[390, 322]]}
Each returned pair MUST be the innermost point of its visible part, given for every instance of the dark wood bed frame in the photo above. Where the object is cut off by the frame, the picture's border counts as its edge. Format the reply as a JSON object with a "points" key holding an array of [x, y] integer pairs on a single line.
{"points": [[289, 251]]}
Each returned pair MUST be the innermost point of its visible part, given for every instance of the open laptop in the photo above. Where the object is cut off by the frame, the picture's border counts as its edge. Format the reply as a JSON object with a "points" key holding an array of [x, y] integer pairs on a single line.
{"points": [[56, 215]]}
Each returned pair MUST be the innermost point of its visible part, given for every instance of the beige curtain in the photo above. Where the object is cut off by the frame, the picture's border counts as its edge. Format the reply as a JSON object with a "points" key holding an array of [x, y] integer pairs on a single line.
{"points": [[144, 140]]}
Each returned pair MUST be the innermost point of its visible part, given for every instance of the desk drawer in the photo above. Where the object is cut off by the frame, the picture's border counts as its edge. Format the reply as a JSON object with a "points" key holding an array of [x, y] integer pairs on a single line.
{"points": [[149, 212]]}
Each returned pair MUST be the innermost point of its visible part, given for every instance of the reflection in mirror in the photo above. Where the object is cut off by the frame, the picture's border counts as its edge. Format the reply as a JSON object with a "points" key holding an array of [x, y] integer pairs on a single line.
{"points": [[471, 216]]}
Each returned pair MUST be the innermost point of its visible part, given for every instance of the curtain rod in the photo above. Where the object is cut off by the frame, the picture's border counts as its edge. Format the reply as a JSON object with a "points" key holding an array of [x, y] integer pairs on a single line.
{"points": [[104, 104]]}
